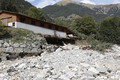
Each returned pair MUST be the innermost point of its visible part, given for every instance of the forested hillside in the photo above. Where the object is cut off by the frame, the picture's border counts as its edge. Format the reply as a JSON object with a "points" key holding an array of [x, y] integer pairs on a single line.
{"points": [[20, 5]]}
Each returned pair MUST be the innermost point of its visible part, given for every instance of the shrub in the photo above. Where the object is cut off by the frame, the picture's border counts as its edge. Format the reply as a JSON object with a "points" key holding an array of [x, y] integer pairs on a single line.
{"points": [[19, 35], [3, 31], [109, 30], [97, 45]]}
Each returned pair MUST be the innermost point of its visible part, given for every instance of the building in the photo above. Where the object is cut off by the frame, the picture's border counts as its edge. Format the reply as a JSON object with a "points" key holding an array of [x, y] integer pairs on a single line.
{"points": [[21, 21]]}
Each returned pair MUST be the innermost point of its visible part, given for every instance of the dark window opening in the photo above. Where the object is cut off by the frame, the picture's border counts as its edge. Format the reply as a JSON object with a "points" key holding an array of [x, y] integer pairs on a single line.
{"points": [[22, 20], [49, 26], [42, 24], [56, 28], [62, 29], [13, 24], [33, 22]]}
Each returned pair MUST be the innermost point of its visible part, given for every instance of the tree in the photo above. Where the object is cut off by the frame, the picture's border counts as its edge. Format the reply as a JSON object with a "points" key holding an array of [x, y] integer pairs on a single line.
{"points": [[3, 31], [85, 25], [36, 13], [8, 6], [59, 22], [109, 30]]}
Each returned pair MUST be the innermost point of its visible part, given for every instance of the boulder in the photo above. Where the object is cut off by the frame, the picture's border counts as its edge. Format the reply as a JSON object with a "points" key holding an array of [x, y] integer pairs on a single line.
{"points": [[16, 45]]}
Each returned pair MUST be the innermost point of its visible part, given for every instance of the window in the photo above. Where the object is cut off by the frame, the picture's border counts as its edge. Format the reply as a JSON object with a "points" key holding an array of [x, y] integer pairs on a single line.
{"points": [[22, 20], [62, 29], [32, 22], [42, 24], [13, 24], [56, 28], [49, 26]]}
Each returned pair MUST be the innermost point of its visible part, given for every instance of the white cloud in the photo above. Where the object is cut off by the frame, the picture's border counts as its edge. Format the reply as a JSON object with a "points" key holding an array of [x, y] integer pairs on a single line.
{"points": [[116, 1], [30, 0], [87, 1], [44, 3]]}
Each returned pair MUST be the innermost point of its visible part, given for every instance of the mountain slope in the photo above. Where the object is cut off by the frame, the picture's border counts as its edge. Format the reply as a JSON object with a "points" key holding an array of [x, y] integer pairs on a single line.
{"points": [[66, 8], [21, 5]]}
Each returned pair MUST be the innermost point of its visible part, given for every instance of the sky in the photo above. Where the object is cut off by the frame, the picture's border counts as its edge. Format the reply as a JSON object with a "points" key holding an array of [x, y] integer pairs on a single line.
{"points": [[43, 3]]}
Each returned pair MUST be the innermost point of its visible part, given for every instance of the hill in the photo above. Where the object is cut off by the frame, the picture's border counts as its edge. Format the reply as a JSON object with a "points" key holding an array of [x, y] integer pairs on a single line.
{"points": [[21, 5], [64, 9]]}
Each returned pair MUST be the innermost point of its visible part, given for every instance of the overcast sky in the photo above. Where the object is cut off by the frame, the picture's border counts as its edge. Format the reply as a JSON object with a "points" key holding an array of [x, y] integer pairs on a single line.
{"points": [[43, 3]]}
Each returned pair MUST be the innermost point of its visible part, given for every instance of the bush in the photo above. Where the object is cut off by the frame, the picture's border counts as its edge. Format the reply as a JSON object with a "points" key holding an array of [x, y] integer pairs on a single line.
{"points": [[19, 35], [109, 30], [3, 31], [97, 45], [85, 25]]}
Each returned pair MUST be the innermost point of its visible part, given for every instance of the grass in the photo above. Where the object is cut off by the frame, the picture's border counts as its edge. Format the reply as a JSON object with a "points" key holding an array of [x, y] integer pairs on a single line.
{"points": [[19, 35]]}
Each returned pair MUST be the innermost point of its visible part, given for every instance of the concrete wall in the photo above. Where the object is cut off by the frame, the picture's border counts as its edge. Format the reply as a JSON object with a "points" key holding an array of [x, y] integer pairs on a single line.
{"points": [[37, 29]]}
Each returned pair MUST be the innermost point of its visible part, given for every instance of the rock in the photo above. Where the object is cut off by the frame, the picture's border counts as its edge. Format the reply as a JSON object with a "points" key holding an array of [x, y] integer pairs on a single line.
{"points": [[16, 45], [1, 41], [11, 69], [23, 45], [23, 65], [0, 45], [71, 74], [92, 69], [9, 49], [6, 45], [34, 50], [84, 64], [63, 77], [33, 45], [26, 50], [18, 50], [58, 50]]}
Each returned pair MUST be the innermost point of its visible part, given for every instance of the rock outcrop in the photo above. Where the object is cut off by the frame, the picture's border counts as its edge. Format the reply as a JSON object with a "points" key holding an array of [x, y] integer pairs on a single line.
{"points": [[12, 50]]}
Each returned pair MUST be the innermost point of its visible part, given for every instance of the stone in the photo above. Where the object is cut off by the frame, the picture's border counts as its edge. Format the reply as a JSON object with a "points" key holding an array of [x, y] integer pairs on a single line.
{"points": [[70, 74], [33, 45], [0, 45], [18, 50], [23, 45], [58, 50], [16, 45], [34, 50], [63, 77], [26, 50], [84, 64], [92, 69], [9, 49], [1, 41], [23, 65], [2, 75], [6, 45], [39, 50]]}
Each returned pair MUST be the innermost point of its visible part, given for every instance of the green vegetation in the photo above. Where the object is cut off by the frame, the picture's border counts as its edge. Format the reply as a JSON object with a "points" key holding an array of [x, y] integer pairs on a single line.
{"points": [[8, 6], [15, 5], [3, 31], [85, 25], [19, 35], [96, 44], [36, 13], [109, 30], [56, 11]]}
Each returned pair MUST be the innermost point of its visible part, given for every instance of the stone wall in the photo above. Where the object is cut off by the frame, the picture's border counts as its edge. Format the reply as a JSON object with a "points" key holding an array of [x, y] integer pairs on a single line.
{"points": [[29, 47]]}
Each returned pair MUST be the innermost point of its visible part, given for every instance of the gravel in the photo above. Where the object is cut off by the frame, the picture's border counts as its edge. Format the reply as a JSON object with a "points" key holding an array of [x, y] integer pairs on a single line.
{"points": [[68, 62]]}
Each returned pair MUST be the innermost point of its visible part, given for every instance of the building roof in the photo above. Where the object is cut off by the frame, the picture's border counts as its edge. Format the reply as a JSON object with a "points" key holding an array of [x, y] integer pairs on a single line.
{"points": [[18, 14]]}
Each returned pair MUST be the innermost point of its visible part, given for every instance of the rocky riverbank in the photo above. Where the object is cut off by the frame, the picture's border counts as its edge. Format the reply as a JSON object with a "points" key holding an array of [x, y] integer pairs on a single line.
{"points": [[68, 62], [34, 45]]}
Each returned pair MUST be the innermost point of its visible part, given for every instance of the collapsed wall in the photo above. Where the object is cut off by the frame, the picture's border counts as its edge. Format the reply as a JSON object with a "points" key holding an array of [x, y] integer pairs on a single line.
{"points": [[11, 50]]}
